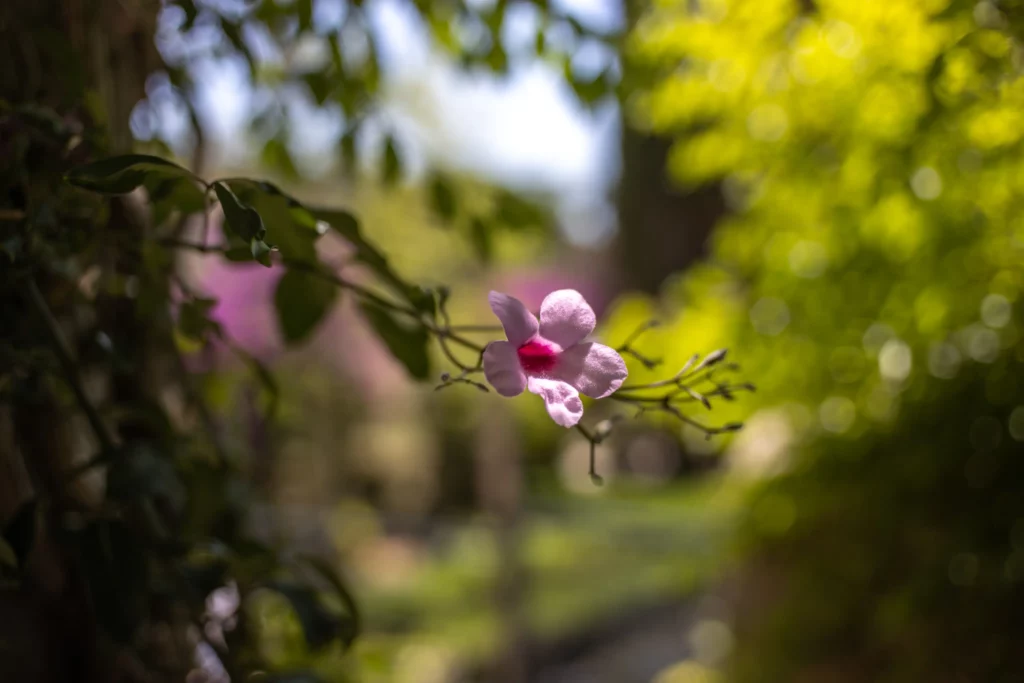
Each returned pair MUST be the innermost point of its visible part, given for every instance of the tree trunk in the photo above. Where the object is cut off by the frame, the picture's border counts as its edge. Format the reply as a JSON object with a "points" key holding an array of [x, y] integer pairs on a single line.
{"points": [[662, 229], [86, 61]]}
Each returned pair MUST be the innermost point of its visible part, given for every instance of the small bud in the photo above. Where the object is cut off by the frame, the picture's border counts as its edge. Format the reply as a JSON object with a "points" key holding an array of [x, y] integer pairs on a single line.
{"points": [[603, 430], [715, 356], [446, 377]]}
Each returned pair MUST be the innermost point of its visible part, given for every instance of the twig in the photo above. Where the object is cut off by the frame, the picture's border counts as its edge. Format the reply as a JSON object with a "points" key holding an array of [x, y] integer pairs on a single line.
{"points": [[595, 478], [67, 362]]}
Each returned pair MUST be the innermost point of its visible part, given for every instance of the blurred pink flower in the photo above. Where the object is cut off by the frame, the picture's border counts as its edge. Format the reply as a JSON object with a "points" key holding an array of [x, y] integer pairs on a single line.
{"points": [[549, 357], [531, 285], [245, 296]]}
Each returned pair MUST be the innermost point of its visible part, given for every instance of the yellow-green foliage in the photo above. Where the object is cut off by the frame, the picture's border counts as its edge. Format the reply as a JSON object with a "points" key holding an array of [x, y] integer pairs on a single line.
{"points": [[869, 274], [871, 153]]}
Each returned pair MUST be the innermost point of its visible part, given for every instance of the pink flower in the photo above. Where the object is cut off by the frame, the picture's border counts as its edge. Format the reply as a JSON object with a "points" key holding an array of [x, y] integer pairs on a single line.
{"points": [[550, 358]]}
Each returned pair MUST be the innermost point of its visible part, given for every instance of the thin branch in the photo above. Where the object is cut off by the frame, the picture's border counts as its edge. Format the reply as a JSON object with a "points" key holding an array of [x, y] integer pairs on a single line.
{"points": [[70, 368], [369, 295], [469, 329], [595, 478]]}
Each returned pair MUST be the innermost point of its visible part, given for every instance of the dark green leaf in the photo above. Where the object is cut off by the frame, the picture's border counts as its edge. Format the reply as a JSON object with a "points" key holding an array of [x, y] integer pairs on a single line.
{"points": [[260, 251], [142, 472], [302, 300], [321, 85], [239, 218], [122, 174], [252, 561], [304, 10], [326, 572], [8, 558], [290, 227], [275, 156], [481, 239], [497, 59], [207, 503], [517, 213], [174, 196], [442, 197], [233, 33], [191, 12], [335, 48], [239, 254], [392, 165], [194, 318], [407, 343], [319, 624], [348, 150], [113, 560], [264, 376], [20, 531]]}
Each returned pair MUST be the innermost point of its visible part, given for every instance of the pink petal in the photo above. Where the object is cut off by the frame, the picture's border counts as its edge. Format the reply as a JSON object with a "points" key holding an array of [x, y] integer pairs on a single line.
{"points": [[520, 325], [562, 401], [595, 369], [502, 369], [566, 318]]}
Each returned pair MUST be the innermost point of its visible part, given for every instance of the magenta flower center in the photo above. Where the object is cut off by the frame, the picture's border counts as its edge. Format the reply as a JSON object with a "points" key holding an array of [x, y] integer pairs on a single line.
{"points": [[537, 356]]}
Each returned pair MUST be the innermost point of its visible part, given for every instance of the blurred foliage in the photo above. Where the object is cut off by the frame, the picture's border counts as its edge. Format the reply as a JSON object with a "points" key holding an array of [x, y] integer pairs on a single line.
{"points": [[585, 560], [871, 270], [328, 54], [167, 531]]}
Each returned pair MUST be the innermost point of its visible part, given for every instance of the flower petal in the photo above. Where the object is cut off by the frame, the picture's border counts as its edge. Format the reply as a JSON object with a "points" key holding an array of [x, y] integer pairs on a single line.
{"points": [[562, 400], [502, 369], [520, 325], [566, 317], [594, 369]]}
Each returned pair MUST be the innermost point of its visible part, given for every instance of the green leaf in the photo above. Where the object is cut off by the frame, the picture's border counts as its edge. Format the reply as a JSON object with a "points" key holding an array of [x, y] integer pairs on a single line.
{"points": [[392, 164], [481, 238], [302, 300], [170, 196], [191, 12], [407, 344], [275, 155], [122, 174], [290, 226], [233, 33], [328, 573], [517, 213], [193, 318], [239, 218], [348, 150], [20, 530], [319, 624], [442, 197], [260, 251], [497, 59], [304, 10], [263, 375], [334, 44], [321, 85]]}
